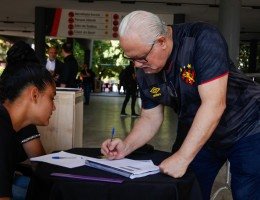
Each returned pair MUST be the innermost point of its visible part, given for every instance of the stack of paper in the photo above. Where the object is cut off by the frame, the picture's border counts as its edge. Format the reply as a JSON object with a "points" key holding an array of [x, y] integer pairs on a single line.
{"points": [[125, 167]]}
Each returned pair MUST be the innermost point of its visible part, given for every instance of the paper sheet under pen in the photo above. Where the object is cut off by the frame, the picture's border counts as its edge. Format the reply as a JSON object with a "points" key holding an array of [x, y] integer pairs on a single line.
{"points": [[73, 161]]}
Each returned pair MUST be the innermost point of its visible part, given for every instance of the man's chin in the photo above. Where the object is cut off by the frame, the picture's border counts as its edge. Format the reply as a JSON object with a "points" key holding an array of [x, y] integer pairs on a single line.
{"points": [[149, 71]]}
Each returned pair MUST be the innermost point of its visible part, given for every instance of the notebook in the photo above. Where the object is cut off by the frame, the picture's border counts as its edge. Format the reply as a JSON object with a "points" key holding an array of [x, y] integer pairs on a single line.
{"points": [[124, 167]]}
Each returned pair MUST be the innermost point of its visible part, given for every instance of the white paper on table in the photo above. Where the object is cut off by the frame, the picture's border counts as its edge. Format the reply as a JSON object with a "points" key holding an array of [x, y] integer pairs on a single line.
{"points": [[68, 160]]}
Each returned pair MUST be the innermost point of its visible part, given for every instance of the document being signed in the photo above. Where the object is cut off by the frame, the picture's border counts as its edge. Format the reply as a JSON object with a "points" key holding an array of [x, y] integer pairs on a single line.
{"points": [[125, 167]]}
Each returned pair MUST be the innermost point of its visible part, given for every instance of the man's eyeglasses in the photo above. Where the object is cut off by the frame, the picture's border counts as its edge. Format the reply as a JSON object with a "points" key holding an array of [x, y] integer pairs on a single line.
{"points": [[143, 59]]}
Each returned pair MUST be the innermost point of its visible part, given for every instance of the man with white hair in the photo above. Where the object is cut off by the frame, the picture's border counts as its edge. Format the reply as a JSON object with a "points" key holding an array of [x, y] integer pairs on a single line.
{"points": [[187, 67]]}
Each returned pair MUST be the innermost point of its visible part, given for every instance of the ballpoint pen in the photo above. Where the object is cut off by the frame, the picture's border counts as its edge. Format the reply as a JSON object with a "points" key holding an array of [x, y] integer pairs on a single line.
{"points": [[112, 134], [111, 139], [61, 157]]}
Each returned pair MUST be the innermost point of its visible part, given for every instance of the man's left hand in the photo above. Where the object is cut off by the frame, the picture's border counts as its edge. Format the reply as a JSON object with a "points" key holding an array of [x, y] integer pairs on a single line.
{"points": [[174, 166]]}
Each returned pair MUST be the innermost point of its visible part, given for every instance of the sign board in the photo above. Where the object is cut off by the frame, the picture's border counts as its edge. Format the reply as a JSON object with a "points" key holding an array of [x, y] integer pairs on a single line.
{"points": [[90, 24]]}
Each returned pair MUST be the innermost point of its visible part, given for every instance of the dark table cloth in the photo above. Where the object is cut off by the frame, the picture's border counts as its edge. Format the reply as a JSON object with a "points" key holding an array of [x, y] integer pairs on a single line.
{"points": [[43, 186]]}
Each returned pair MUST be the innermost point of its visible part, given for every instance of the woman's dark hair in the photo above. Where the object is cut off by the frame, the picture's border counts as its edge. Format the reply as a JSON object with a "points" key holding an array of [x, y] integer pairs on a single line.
{"points": [[67, 47], [22, 69]]}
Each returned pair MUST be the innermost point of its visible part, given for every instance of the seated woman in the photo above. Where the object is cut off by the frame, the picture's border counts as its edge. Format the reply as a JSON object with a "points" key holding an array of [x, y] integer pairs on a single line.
{"points": [[27, 92], [29, 138]]}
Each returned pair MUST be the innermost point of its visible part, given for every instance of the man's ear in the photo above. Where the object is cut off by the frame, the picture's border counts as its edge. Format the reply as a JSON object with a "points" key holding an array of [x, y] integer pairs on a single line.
{"points": [[162, 41], [34, 93]]}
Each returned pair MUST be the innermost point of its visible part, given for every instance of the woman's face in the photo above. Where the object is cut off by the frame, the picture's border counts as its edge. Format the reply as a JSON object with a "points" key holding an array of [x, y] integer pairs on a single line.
{"points": [[44, 106]]}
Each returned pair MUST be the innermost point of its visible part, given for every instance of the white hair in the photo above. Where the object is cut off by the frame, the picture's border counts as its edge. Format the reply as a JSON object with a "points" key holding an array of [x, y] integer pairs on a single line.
{"points": [[146, 25]]}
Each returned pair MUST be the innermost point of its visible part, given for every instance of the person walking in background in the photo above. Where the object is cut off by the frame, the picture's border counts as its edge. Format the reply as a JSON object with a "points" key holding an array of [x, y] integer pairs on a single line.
{"points": [[88, 78], [27, 91], [130, 86], [68, 77], [121, 84], [53, 65], [187, 67]]}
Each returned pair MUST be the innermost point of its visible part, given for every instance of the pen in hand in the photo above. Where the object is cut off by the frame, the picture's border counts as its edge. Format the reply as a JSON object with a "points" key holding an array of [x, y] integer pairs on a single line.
{"points": [[112, 134], [61, 157], [112, 137]]}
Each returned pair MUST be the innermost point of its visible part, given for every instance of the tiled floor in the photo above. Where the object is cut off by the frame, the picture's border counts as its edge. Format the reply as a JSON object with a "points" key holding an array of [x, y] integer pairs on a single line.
{"points": [[103, 114]]}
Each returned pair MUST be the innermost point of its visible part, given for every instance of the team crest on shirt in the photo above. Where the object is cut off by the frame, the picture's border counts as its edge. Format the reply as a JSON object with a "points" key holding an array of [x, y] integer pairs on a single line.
{"points": [[155, 92], [188, 74]]}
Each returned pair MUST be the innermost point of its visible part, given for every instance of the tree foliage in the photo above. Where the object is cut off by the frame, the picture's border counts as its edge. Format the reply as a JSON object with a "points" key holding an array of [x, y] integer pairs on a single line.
{"points": [[107, 59], [78, 53], [4, 46], [244, 53]]}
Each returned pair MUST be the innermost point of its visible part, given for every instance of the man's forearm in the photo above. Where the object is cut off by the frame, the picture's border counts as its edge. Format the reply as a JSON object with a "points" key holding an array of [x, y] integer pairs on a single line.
{"points": [[213, 104], [203, 126], [144, 129]]}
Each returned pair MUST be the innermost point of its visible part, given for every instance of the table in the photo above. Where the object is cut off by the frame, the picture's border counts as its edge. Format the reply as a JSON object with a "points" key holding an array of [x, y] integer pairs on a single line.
{"points": [[153, 187]]}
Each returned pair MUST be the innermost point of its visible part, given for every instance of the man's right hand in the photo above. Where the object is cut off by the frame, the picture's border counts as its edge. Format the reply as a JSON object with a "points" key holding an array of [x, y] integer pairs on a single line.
{"points": [[113, 149]]}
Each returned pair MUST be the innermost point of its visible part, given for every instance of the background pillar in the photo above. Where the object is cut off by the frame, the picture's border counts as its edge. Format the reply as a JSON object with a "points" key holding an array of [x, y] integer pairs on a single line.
{"points": [[229, 24]]}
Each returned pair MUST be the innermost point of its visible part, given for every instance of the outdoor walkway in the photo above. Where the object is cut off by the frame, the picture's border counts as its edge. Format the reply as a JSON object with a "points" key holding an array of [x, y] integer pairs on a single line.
{"points": [[103, 114]]}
